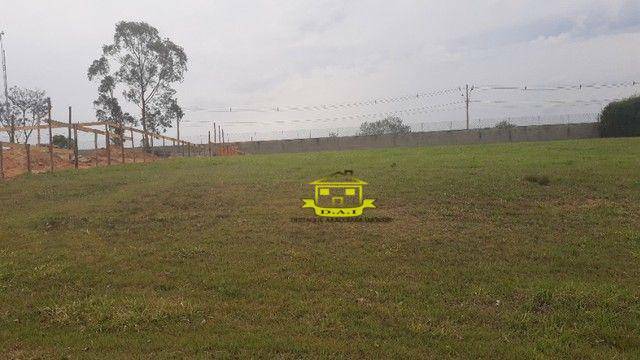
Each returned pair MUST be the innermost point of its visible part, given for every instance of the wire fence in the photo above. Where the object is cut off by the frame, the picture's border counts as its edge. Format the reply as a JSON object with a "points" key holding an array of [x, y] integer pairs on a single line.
{"points": [[16, 158], [529, 120]]}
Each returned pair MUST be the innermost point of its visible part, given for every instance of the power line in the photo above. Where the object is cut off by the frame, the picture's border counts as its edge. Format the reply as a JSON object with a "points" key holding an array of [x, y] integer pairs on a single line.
{"points": [[413, 111], [539, 117], [418, 110], [560, 87], [450, 106], [331, 106], [549, 101], [387, 100]]}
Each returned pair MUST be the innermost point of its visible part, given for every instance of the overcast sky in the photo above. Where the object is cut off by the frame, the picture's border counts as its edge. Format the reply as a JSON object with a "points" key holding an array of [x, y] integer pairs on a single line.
{"points": [[266, 54]]}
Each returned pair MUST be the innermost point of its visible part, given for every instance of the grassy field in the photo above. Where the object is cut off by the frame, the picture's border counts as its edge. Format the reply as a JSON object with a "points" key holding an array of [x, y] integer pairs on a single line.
{"points": [[200, 258]]}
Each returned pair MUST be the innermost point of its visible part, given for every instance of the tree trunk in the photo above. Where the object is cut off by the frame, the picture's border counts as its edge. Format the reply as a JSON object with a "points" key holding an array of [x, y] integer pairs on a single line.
{"points": [[145, 138], [24, 123], [12, 131], [178, 126]]}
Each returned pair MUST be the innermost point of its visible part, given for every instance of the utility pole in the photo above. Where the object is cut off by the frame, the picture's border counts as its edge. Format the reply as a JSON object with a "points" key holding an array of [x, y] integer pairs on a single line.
{"points": [[12, 134], [467, 103], [468, 100], [4, 70]]}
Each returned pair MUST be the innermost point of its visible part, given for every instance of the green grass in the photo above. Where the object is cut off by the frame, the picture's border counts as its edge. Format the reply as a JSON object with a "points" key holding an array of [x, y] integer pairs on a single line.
{"points": [[200, 258]]}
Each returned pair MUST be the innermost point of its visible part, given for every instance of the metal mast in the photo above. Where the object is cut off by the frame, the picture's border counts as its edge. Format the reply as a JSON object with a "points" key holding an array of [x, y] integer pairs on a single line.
{"points": [[4, 69]]}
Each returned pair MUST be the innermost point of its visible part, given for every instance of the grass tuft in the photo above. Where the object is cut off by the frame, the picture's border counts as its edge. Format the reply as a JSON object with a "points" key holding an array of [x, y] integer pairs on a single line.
{"points": [[538, 179]]}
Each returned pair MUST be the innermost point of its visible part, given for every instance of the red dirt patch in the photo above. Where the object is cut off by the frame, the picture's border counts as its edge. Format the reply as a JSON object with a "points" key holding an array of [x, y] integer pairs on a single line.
{"points": [[15, 159]]}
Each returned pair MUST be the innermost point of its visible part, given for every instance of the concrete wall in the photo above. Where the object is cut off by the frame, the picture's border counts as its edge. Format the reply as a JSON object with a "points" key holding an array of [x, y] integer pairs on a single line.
{"points": [[453, 137]]}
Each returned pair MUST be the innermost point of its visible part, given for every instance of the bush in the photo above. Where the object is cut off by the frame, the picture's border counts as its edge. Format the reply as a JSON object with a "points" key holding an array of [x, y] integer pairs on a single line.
{"points": [[504, 124], [62, 142], [389, 125], [621, 118]]}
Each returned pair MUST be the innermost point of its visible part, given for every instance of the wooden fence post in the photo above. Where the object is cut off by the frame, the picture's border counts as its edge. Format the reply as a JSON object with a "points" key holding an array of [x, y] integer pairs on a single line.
{"points": [[209, 144], [75, 145], [1, 162], [50, 134], [145, 140], [133, 147], [27, 147], [69, 128], [219, 149], [108, 144], [95, 147], [122, 143]]}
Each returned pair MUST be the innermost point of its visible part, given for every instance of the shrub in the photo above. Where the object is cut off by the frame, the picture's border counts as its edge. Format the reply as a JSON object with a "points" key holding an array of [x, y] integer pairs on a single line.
{"points": [[62, 142], [621, 118], [504, 124], [389, 125]]}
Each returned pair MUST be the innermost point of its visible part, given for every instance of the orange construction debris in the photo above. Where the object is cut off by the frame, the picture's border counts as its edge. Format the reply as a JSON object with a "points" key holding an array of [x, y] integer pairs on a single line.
{"points": [[227, 150]]}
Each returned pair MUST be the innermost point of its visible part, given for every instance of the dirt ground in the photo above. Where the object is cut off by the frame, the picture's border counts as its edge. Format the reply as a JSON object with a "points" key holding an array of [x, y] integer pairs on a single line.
{"points": [[15, 159]]}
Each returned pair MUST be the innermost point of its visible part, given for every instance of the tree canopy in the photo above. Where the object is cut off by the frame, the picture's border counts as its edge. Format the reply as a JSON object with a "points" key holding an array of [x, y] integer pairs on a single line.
{"points": [[389, 125], [26, 107], [8, 119], [146, 66], [621, 118]]}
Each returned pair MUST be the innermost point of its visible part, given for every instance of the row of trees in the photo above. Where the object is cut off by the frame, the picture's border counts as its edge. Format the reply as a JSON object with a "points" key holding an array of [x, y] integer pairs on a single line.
{"points": [[24, 107]]}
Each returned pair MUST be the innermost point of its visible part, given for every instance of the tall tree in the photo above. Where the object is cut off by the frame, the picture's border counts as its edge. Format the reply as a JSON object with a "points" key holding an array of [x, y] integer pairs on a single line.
{"points": [[147, 66], [107, 105]]}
